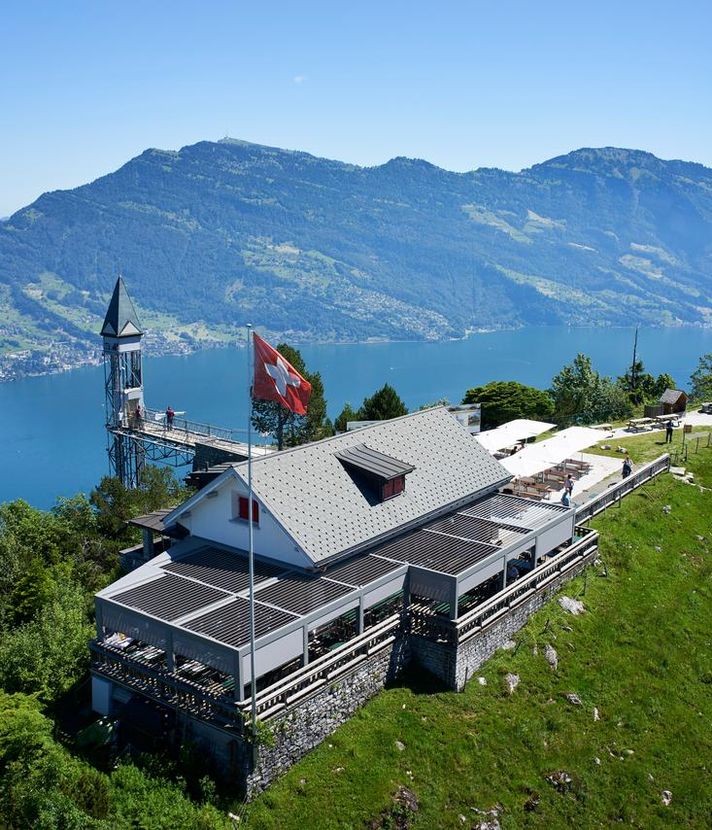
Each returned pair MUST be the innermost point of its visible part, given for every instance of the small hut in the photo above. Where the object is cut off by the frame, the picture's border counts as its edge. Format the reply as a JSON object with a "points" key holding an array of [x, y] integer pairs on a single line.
{"points": [[673, 401]]}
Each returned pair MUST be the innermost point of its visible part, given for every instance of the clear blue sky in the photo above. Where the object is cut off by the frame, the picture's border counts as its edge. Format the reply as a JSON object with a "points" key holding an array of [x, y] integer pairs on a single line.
{"points": [[84, 86]]}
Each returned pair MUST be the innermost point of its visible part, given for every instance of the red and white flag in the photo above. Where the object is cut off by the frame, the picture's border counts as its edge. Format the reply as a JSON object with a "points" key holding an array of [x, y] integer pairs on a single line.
{"points": [[277, 380]]}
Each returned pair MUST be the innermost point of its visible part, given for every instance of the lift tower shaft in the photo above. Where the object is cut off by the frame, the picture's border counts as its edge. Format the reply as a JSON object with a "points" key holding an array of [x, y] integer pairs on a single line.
{"points": [[123, 385]]}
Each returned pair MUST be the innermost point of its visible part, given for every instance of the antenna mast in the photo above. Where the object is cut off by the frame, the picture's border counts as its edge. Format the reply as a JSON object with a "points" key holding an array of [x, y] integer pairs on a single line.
{"points": [[634, 367]]}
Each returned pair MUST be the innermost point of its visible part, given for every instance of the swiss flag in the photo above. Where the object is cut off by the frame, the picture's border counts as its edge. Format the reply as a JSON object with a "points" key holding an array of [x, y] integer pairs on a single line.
{"points": [[277, 380]]}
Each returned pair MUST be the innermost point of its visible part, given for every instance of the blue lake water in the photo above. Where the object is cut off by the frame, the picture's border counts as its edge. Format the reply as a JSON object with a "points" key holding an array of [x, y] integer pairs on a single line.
{"points": [[53, 442]]}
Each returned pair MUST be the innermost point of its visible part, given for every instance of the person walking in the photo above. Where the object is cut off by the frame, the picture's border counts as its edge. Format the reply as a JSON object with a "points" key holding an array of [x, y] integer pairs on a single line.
{"points": [[668, 432], [627, 467], [170, 415], [569, 484]]}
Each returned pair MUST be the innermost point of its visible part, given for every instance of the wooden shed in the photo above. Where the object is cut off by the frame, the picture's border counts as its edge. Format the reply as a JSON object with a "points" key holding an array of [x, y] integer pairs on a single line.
{"points": [[673, 401]]}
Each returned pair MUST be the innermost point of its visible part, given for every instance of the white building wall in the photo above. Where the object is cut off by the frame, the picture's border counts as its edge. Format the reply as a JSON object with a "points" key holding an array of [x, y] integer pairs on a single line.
{"points": [[273, 655], [212, 518]]}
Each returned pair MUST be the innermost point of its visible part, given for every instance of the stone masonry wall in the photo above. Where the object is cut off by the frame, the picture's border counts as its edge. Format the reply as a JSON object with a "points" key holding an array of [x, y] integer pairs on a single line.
{"points": [[455, 665], [304, 726], [479, 648], [308, 723], [300, 728]]}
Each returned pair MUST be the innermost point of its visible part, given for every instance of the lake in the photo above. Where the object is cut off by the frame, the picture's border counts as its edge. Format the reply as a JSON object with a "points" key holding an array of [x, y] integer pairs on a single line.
{"points": [[54, 442]]}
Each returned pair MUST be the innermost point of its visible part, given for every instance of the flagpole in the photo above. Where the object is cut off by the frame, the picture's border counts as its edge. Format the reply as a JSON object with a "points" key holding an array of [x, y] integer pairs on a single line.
{"points": [[251, 549]]}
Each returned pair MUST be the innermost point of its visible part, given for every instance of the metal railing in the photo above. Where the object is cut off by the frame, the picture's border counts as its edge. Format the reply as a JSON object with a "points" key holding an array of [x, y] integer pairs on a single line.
{"points": [[157, 418], [156, 682], [614, 494], [456, 632], [325, 669]]}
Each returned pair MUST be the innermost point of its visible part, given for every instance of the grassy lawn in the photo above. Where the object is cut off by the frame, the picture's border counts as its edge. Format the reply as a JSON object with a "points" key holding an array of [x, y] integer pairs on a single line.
{"points": [[649, 445], [641, 654]]}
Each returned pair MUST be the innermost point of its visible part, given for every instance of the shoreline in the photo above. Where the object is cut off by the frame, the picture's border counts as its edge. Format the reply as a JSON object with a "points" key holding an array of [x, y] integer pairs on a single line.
{"points": [[93, 355]]}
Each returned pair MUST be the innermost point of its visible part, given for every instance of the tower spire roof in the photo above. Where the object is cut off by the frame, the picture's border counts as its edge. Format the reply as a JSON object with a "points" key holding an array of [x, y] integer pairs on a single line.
{"points": [[121, 318]]}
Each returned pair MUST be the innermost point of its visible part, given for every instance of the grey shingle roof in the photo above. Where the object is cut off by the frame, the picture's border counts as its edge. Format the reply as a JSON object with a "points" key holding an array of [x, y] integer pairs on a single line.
{"points": [[121, 318], [315, 498], [371, 461], [670, 396]]}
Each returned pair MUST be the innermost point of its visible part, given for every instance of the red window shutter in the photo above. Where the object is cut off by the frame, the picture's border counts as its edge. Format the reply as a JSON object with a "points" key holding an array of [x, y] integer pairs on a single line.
{"points": [[398, 485], [255, 510]]}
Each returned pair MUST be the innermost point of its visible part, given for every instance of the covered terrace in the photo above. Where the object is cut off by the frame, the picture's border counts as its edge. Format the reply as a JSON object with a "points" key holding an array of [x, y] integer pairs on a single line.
{"points": [[184, 616]]}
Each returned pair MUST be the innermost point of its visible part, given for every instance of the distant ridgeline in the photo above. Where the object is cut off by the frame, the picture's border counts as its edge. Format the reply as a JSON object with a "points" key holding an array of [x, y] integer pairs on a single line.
{"points": [[308, 248]]}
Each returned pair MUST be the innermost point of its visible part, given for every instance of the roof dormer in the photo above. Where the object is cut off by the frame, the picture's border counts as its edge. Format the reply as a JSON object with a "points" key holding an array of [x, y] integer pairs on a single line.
{"points": [[382, 474]]}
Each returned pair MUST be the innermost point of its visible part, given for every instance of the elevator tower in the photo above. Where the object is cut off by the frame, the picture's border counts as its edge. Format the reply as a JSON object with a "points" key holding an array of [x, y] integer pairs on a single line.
{"points": [[123, 384]]}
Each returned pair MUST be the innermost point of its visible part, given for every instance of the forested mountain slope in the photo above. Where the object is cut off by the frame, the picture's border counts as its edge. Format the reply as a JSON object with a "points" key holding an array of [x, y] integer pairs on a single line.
{"points": [[217, 234]]}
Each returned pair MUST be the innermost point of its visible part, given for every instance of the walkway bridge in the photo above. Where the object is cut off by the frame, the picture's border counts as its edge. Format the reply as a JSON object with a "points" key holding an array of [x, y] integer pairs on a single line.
{"points": [[184, 441]]}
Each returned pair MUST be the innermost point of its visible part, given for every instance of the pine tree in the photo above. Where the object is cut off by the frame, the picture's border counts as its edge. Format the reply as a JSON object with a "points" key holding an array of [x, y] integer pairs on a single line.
{"points": [[382, 405]]}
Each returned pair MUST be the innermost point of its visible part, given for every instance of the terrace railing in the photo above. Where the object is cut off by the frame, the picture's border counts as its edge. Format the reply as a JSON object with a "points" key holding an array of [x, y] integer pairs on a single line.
{"points": [[325, 669], [155, 681], [614, 494], [456, 632]]}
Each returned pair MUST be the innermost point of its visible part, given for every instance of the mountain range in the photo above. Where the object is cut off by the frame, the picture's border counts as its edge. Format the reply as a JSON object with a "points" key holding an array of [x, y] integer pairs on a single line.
{"points": [[221, 233]]}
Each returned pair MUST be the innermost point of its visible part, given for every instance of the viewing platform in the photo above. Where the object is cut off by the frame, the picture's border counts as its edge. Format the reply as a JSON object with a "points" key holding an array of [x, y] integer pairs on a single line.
{"points": [[185, 441]]}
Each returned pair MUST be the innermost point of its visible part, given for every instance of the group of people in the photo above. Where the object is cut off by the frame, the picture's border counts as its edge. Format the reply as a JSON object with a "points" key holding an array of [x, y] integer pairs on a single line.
{"points": [[569, 483], [138, 416], [568, 490]]}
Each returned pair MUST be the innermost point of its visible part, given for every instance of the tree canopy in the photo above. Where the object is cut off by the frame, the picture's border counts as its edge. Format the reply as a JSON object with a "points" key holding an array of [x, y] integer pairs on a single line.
{"points": [[382, 405], [114, 503], [51, 563], [701, 379], [641, 386], [582, 396], [504, 401], [288, 429], [348, 413]]}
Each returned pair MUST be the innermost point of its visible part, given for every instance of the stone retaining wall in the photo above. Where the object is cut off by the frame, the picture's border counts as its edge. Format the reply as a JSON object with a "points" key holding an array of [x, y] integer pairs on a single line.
{"points": [[294, 732], [455, 665]]}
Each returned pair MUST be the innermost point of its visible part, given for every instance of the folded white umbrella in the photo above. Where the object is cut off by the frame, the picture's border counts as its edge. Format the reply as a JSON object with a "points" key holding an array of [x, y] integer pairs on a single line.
{"points": [[539, 457], [512, 432]]}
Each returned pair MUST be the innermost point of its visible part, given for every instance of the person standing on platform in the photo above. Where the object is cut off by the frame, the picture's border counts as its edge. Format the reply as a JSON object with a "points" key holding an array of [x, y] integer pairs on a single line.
{"points": [[569, 484], [170, 415], [138, 415], [627, 467], [668, 432]]}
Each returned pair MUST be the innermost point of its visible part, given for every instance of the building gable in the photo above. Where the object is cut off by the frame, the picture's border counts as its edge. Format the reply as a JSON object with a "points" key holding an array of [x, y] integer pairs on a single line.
{"points": [[323, 512]]}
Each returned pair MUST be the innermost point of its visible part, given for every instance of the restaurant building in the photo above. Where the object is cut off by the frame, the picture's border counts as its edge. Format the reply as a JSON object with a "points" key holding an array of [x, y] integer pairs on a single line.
{"points": [[374, 549]]}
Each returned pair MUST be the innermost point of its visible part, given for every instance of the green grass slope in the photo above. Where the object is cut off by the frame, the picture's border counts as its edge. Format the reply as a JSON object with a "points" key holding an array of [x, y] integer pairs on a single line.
{"points": [[641, 655]]}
